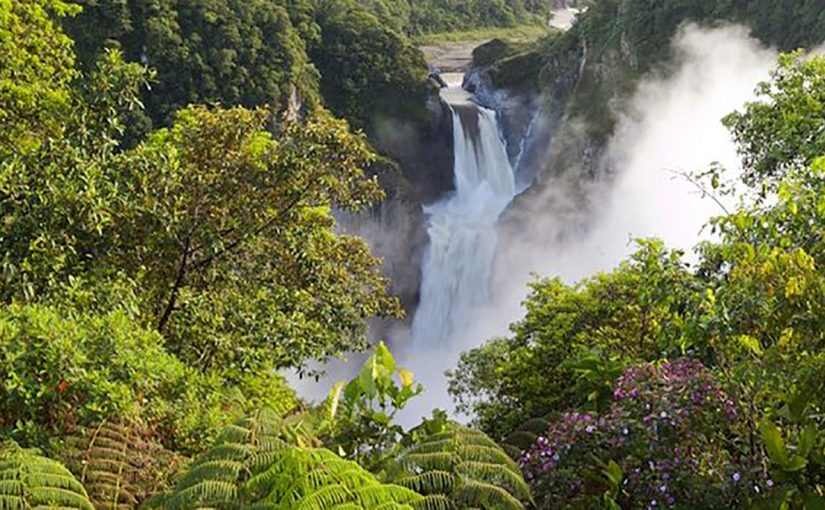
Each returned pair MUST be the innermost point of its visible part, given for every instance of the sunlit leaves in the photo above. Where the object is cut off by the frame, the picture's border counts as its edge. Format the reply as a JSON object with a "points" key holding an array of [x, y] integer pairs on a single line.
{"points": [[782, 131]]}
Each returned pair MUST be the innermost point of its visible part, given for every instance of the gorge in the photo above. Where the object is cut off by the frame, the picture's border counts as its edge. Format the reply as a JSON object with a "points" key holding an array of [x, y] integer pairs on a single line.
{"points": [[412, 254], [488, 236]]}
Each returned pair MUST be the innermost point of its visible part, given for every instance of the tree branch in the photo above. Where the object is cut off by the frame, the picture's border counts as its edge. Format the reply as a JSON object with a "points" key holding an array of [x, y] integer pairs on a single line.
{"points": [[179, 280], [237, 242]]}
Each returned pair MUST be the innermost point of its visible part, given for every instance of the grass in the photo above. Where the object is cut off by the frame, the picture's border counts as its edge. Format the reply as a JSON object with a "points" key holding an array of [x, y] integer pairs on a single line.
{"points": [[520, 32]]}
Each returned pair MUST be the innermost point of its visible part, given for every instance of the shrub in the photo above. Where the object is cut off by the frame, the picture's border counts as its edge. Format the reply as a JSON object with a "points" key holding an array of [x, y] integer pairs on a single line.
{"points": [[58, 370], [666, 441]]}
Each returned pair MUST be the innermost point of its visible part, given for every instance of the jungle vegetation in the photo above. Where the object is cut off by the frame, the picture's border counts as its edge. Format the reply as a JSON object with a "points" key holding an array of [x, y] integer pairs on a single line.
{"points": [[168, 174]]}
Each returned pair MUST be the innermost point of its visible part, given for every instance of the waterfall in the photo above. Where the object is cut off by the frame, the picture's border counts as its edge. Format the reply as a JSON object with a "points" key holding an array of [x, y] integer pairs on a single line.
{"points": [[457, 266]]}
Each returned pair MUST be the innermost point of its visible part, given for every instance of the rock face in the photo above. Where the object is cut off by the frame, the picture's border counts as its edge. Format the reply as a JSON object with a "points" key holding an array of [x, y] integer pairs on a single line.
{"points": [[418, 170], [422, 149]]}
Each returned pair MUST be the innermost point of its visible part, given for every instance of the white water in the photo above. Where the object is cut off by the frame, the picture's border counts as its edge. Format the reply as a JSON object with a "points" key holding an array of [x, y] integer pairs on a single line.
{"points": [[457, 268]]}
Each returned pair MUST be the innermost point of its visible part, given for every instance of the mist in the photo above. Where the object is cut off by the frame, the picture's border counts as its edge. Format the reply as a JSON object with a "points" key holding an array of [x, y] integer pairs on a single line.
{"points": [[578, 226]]}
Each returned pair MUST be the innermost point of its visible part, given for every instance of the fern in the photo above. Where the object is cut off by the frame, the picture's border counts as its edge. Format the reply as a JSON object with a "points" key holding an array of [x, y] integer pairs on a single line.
{"points": [[118, 464], [29, 480], [267, 462], [458, 468]]}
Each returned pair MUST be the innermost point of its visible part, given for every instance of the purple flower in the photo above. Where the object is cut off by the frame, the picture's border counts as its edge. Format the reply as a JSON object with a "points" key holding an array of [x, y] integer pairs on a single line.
{"points": [[737, 477], [770, 483]]}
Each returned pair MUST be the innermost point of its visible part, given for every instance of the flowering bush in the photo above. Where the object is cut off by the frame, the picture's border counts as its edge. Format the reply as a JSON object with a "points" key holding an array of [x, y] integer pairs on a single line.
{"points": [[671, 432]]}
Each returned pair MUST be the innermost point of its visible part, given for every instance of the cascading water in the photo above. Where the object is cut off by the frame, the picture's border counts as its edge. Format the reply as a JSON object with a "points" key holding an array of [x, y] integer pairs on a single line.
{"points": [[456, 271]]}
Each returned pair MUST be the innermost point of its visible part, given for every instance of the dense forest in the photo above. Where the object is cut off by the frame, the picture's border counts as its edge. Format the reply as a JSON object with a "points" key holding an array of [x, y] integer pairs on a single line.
{"points": [[170, 174]]}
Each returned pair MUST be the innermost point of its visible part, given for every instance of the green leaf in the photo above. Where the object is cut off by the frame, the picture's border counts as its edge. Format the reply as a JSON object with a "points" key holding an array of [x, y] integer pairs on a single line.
{"points": [[807, 440], [813, 501], [774, 443], [797, 404], [334, 399], [614, 473], [406, 377], [797, 463], [384, 358], [751, 344]]}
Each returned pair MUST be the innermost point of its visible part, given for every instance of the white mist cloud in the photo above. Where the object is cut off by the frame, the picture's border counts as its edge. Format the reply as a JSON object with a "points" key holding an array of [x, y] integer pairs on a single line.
{"points": [[579, 227], [672, 123]]}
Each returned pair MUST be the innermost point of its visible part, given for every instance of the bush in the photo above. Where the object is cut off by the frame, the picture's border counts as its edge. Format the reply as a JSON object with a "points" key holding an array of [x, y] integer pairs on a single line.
{"points": [[60, 370], [666, 441]]}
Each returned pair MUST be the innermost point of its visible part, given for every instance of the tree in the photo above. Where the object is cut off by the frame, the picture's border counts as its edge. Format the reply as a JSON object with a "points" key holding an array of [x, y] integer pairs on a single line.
{"points": [[782, 130], [367, 69], [36, 69], [232, 230], [633, 313], [227, 231]]}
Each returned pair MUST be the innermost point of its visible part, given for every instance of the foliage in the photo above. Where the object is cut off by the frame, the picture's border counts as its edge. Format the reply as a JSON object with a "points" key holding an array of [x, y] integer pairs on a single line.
{"points": [[234, 52], [432, 16], [218, 475], [58, 201], [663, 442], [359, 423], [29, 480], [61, 370], [257, 462], [243, 267], [634, 313], [119, 464], [782, 130], [227, 232], [797, 466], [367, 69], [519, 33], [456, 467], [36, 69]]}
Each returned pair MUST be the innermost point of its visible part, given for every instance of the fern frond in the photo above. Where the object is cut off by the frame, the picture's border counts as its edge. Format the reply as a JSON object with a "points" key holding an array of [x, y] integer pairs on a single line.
{"points": [[119, 464], [436, 502], [485, 495], [429, 482], [502, 475], [256, 465], [30, 480], [459, 468]]}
